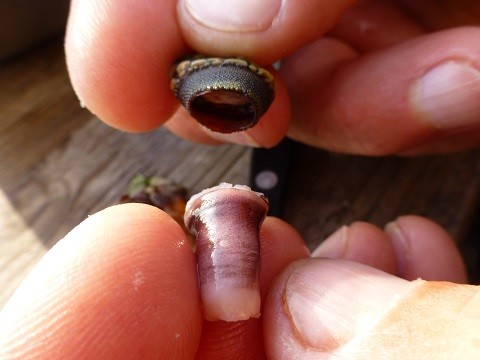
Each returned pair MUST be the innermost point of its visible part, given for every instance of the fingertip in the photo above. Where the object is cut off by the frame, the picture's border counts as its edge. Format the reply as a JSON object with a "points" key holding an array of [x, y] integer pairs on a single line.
{"points": [[110, 282], [425, 250], [119, 57], [360, 242], [446, 96]]}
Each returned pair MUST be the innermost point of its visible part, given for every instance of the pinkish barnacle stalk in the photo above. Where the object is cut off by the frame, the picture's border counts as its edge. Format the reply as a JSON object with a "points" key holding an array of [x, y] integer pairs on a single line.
{"points": [[226, 222]]}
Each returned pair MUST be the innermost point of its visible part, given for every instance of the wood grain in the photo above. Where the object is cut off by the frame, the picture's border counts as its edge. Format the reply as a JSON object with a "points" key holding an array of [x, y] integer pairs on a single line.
{"points": [[341, 189]]}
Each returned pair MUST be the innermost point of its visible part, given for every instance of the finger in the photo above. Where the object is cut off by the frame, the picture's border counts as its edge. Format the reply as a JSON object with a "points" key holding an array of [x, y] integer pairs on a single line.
{"points": [[374, 24], [109, 289], [338, 309], [264, 31], [280, 244], [390, 101], [119, 56], [425, 250], [360, 242], [399, 250]]}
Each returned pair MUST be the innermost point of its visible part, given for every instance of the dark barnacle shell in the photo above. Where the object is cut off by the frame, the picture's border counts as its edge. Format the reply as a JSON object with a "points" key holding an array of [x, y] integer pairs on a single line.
{"points": [[223, 94]]}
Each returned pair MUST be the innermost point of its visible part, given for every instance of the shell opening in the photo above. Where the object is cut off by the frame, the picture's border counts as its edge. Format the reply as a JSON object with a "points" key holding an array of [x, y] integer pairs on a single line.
{"points": [[223, 111]]}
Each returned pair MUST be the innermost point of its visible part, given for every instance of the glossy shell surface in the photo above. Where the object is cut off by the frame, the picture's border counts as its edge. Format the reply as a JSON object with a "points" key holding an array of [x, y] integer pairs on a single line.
{"points": [[225, 221], [223, 94]]}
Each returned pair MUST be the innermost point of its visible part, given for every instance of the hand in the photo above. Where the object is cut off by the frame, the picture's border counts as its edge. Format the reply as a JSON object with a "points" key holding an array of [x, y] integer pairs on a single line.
{"points": [[368, 77], [123, 285]]}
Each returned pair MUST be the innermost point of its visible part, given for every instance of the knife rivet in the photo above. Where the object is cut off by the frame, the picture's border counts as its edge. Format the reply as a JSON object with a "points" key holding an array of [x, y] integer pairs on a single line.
{"points": [[266, 180]]}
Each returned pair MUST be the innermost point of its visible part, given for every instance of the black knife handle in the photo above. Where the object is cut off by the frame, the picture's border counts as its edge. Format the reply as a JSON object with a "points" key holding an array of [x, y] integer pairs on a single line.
{"points": [[268, 173]]}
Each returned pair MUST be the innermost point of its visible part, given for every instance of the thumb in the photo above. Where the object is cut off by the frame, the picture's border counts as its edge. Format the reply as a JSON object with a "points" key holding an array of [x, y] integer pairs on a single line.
{"points": [[109, 290], [263, 31], [337, 309]]}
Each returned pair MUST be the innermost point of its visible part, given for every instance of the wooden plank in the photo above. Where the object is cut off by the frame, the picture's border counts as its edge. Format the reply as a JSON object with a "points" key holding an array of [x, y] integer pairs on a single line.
{"points": [[327, 191], [38, 111], [20, 248]]}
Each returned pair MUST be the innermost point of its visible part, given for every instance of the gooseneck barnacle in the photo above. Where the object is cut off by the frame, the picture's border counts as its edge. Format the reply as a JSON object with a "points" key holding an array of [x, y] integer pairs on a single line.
{"points": [[223, 94], [226, 221]]}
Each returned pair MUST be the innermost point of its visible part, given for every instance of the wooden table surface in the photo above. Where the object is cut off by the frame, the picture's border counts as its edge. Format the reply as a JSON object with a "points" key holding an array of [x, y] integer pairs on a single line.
{"points": [[58, 164]]}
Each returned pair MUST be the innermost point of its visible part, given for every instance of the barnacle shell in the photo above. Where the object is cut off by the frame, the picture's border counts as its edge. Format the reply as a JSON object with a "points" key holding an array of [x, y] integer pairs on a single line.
{"points": [[226, 221], [223, 94]]}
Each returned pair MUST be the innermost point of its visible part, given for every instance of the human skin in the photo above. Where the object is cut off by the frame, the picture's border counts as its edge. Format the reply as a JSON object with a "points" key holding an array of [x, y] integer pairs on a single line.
{"points": [[369, 77], [123, 285]]}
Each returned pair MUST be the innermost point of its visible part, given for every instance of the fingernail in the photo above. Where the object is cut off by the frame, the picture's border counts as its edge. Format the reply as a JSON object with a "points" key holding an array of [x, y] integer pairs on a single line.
{"points": [[335, 246], [400, 244], [234, 15], [330, 302], [448, 94]]}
